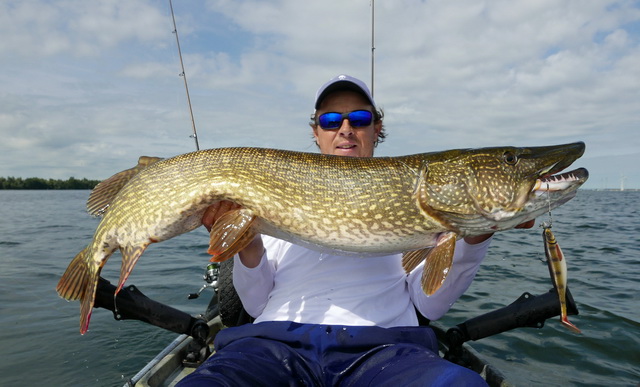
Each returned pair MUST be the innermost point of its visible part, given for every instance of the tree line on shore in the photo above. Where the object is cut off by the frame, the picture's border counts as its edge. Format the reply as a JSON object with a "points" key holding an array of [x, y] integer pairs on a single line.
{"points": [[40, 183]]}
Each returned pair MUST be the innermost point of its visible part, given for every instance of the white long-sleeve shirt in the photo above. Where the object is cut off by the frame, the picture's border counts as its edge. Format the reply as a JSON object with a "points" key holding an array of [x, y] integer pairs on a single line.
{"points": [[293, 283]]}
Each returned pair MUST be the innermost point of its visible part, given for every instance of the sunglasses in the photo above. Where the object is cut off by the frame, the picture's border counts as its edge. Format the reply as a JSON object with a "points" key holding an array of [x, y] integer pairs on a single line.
{"points": [[357, 119]]}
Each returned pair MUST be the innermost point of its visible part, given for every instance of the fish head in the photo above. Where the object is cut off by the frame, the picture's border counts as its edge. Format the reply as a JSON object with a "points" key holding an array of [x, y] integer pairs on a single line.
{"points": [[489, 189]]}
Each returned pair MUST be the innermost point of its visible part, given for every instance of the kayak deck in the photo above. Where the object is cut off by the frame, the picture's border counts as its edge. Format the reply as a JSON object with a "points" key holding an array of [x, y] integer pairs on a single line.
{"points": [[168, 367]]}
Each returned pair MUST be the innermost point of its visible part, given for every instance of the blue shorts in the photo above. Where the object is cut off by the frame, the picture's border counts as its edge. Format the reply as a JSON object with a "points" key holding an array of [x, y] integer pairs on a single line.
{"points": [[282, 353]]}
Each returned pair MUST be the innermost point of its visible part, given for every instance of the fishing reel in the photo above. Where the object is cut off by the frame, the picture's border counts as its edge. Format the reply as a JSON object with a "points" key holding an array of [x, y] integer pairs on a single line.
{"points": [[211, 280]]}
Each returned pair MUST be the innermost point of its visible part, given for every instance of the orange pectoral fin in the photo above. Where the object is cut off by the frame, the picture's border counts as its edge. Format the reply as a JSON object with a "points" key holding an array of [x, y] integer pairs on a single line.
{"points": [[411, 259], [231, 233], [438, 263]]}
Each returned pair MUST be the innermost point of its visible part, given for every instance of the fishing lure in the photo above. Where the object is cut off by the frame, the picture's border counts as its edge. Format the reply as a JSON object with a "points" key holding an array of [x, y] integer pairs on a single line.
{"points": [[557, 265], [558, 269]]}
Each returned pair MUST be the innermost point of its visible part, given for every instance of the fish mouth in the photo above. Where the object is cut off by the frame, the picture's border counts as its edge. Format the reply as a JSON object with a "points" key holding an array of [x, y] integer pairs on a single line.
{"points": [[548, 192], [560, 182], [551, 191], [542, 187]]}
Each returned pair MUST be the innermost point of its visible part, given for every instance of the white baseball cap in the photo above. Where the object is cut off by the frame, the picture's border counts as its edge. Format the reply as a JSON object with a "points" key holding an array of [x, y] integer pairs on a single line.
{"points": [[344, 82]]}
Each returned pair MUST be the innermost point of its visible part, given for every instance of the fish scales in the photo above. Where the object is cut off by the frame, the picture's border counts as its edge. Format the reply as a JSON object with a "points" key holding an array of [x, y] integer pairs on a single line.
{"points": [[317, 197], [415, 204]]}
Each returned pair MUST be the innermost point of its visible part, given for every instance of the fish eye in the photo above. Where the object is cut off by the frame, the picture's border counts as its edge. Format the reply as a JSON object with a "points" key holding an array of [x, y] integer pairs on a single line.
{"points": [[510, 158]]}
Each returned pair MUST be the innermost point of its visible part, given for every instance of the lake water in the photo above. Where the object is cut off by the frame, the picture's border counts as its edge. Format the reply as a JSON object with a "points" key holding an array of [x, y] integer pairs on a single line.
{"points": [[41, 231]]}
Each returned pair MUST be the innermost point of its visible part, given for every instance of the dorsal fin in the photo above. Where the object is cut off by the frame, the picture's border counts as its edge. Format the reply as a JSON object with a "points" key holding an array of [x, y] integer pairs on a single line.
{"points": [[106, 190]]}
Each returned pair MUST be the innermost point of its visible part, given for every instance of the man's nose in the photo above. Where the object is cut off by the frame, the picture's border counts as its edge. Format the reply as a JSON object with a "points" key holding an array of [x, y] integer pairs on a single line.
{"points": [[345, 127]]}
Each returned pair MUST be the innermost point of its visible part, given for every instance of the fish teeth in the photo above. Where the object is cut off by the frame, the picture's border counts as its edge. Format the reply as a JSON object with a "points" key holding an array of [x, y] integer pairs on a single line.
{"points": [[555, 182]]}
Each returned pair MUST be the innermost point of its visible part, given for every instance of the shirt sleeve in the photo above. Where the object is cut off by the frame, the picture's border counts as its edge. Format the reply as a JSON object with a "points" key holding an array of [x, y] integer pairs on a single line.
{"points": [[466, 262], [253, 285]]}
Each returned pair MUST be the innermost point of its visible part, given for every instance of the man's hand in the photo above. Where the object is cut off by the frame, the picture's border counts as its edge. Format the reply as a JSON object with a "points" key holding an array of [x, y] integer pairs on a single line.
{"points": [[481, 238], [528, 224], [215, 211]]}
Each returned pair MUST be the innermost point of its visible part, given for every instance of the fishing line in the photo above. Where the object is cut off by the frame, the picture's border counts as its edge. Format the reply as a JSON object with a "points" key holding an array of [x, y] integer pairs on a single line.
{"points": [[547, 224], [550, 221]]}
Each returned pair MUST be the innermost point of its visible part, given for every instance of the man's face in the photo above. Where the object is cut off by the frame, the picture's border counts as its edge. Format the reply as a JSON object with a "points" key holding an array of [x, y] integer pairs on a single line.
{"points": [[346, 140]]}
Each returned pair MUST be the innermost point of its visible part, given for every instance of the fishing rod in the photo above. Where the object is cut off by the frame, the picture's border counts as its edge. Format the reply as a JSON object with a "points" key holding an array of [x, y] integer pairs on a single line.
{"points": [[211, 271], [184, 77], [373, 47]]}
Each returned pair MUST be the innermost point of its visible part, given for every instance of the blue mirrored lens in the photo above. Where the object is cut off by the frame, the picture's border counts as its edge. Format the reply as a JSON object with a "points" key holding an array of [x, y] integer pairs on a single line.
{"points": [[357, 119], [330, 120], [360, 118]]}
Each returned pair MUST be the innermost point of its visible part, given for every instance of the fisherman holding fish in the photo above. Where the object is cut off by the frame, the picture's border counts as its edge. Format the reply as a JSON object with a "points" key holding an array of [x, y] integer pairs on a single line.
{"points": [[323, 319]]}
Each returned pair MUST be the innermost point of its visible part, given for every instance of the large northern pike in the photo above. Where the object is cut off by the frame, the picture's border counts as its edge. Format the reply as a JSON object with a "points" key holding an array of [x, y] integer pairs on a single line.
{"points": [[417, 204]]}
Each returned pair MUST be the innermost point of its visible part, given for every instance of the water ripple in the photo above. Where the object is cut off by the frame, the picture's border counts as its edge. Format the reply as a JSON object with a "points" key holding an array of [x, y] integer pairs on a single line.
{"points": [[598, 231]]}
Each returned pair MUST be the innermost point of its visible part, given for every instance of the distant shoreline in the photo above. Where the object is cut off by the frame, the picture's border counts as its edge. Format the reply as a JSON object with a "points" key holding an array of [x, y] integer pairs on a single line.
{"points": [[613, 189], [37, 183]]}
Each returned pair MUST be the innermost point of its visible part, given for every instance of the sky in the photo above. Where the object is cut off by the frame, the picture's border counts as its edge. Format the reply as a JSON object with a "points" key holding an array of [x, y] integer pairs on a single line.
{"points": [[86, 87]]}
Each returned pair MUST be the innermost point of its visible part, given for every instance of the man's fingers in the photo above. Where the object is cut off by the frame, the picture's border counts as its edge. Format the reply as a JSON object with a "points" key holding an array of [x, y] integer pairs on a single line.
{"points": [[216, 210], [528, 224], [209, 216]]}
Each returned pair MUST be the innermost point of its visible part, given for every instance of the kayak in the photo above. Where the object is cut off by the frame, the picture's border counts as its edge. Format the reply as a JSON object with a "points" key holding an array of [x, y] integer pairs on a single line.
{"points": [[172, 364], [197, 333]]}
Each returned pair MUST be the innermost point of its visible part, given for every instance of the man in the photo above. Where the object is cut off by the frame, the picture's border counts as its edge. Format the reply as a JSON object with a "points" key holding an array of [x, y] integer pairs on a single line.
{"points": [[322, 319]]}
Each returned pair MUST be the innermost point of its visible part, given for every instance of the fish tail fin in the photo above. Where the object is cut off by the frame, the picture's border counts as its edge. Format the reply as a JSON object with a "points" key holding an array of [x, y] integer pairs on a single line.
{"points": [[130, 256], [73, 283], [79, 282], [86, 303], [568, 324]]}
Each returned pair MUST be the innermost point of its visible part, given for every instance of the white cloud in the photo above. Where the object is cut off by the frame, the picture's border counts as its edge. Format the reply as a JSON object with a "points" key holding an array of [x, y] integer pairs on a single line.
{"points": [[89, 86], [84, 28]]}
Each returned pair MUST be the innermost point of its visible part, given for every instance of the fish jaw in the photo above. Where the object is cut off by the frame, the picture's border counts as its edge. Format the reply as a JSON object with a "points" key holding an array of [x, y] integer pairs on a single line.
{"points": [[548, 193], [493, 189], [553, 191], [558, 183]]}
